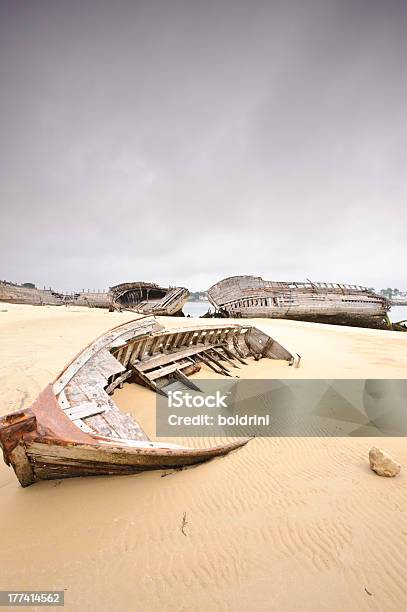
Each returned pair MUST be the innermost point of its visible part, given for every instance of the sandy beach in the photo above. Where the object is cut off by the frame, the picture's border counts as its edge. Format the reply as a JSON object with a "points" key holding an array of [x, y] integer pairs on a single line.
{"points": [[281, 524]]}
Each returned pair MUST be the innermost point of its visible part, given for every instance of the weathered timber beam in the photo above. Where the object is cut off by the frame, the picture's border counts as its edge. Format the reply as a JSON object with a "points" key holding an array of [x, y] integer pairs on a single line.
{"points": [[160, 372], [223, 369], [143, 344], [187, 338], [224, 357], [189, 383], [153, 345], [233, 355], [135, 348], [175, 339], [143, 379], [201, 357], [237, 348], [160, 360], [117, 381], [127, 354], [86, 409], [208, 336]]}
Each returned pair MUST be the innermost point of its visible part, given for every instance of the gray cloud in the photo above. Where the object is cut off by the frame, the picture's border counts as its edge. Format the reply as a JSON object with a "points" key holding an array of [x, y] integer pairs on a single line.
{"points": [[182, 142]]}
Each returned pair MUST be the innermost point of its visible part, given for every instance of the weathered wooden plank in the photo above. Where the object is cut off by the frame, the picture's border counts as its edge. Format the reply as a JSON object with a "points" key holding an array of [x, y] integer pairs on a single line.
{"points": [[83, 410], [187, 381], [233, 355], [95, 393], [91, 376], [181, 340], [74, 394], [237, 347], [216, 360], [213, 366], [118, 356], [186, 341], [111, 455], [175, 339], [83, 426], [153, 345], [127, 355], [143, 379], [224, 356], [124, 426], [141, 350], [161, 372], [63, 400], [99, 424], [161, 360], [106, 364]]}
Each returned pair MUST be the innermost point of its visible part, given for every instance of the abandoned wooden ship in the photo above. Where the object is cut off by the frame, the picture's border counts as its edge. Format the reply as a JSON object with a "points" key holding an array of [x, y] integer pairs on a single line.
{"points": [[74, 428], [251, 296], [149, 298], [146, 298]]}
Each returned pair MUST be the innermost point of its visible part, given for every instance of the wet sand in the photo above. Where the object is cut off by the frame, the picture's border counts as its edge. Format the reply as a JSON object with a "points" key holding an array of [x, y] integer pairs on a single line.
{"points": [[281, 524]]}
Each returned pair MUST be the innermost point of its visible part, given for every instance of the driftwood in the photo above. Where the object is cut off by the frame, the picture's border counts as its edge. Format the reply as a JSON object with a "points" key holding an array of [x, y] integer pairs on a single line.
{"points": [[184, 523], [398, 326], [74, 428]]}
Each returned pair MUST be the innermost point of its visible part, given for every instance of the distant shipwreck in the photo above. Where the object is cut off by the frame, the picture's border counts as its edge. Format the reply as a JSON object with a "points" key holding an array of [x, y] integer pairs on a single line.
{"points": [[251, 297], [146, 298]]}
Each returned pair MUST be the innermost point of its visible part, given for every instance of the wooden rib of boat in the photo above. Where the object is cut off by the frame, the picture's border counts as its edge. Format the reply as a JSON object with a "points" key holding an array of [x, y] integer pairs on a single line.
{"points": [[74, 428], [145, 298], [251, 296]]}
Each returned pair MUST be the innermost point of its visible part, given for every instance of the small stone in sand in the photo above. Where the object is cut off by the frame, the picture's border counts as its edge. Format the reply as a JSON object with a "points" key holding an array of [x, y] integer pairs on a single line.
{"points": [[382, 463]]}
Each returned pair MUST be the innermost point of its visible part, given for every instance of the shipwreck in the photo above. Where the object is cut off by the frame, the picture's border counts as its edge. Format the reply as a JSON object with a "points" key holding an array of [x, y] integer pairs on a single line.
{"points": [[149, 298], [74, 428], [251, 296], [142, 297]]}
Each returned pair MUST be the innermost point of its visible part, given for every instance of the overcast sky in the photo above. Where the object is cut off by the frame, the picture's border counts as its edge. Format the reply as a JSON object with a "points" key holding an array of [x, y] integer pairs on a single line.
{"points": [[185, 141]]}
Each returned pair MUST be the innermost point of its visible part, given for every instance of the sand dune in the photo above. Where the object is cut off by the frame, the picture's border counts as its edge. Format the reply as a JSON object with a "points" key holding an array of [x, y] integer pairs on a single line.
{"points": [[281, 524]]}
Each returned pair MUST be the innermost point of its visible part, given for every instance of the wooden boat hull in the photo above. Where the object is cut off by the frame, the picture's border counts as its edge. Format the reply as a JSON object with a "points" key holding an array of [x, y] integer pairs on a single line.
{"points": [[42, 452], [74, 428], [253, 297], [15, 294], [149, 298]]}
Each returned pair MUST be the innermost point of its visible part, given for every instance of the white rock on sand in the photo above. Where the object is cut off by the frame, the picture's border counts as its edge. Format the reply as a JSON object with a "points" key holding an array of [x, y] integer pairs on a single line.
{"points": [[382, 463]]}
